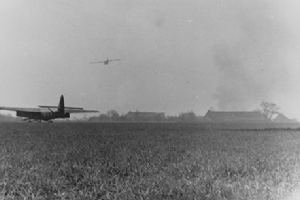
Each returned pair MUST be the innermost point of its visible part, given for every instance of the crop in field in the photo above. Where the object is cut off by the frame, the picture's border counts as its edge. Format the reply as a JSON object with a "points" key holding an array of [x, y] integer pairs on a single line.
{"points": [[146, 161]]}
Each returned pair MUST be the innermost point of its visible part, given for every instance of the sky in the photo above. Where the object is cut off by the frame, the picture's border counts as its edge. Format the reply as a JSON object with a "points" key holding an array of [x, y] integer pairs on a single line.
{"points": [[176, 55]]}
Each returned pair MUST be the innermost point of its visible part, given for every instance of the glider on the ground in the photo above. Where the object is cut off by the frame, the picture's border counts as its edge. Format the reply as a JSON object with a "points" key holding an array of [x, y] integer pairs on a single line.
{"points": [[47, 113]]}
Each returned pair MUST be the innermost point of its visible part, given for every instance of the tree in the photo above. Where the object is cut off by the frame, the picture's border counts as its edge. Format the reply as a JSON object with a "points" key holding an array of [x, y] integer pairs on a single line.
{"points": [[187, 116], [113, 115], [269, 109]]}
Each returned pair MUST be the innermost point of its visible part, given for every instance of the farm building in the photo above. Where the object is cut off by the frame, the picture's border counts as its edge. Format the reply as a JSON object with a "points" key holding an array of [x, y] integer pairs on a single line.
{"points": [[281, 118], [241, 116], [145, 116]]}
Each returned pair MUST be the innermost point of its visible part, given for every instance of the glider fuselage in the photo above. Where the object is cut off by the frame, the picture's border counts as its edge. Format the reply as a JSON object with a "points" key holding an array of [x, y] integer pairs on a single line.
{"points": [[45, 116]]}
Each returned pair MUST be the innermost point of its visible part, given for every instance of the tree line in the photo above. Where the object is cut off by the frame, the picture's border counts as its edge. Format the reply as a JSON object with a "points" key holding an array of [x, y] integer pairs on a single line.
{"points": [[268, 109], [114, 116]]}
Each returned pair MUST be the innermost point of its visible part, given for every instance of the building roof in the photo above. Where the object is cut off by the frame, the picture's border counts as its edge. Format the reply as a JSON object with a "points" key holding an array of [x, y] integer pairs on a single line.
{"points": [[235, 116], [281, 118]]}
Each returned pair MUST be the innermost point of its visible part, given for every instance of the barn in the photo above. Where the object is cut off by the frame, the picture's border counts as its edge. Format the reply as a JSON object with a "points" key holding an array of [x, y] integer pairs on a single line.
{"points": [[235, 116], [281, 118]]}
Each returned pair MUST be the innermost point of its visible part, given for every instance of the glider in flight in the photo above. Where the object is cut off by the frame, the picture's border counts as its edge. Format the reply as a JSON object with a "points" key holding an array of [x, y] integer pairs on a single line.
{"points": [[47, 113], [106, 62]]}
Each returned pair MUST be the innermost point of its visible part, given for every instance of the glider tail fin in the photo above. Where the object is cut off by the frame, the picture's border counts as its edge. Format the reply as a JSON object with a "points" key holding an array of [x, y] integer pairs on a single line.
{"points": [[61, 105]]}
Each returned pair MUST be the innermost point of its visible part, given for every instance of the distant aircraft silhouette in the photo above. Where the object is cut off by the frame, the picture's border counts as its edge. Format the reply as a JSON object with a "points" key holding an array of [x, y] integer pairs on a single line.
{"points": [[47, 113], [105, 62]]}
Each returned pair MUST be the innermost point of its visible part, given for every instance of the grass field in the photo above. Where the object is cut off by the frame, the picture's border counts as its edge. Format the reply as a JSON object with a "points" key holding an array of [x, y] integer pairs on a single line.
{"points": [[146, 161]]}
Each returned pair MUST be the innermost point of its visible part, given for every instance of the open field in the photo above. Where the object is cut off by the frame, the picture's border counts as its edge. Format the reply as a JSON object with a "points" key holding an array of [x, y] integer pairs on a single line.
{"points": [[146, 161]]}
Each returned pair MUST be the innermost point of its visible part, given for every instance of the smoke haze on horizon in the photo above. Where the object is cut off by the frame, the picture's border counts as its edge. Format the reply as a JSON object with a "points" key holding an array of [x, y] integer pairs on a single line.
{"points": [[175, 56]]}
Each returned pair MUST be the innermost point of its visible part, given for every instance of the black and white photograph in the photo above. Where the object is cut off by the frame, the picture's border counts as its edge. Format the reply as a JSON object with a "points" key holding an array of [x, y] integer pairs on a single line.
{"points": [[150, 100]]}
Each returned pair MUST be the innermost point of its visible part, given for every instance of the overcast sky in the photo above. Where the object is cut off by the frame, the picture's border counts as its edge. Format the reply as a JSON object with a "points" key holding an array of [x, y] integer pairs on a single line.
{"points": [[176, 55]]}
